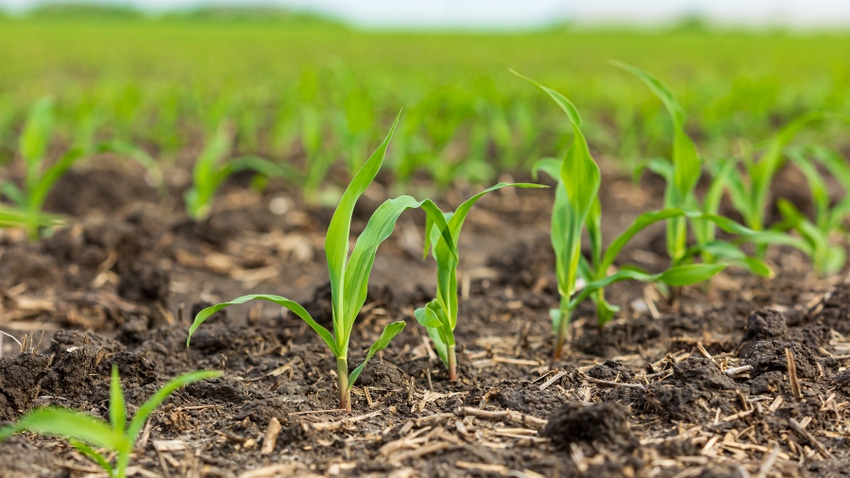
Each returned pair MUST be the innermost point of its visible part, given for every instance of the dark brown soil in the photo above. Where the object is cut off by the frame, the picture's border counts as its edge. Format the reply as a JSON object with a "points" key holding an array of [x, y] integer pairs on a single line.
{"points": [[699, 387]]}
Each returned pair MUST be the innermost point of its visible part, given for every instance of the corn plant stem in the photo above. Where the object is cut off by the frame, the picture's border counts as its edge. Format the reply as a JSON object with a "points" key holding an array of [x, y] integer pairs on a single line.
{"points": [[32, 222], [563, 327], [452, 362], [342, 381], [121, 464]]}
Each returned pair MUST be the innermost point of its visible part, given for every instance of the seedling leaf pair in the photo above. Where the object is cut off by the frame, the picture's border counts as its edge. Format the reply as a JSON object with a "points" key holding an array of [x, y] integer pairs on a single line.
{"points": [[349, 274], [39, 178], [440, 315], [211, 170], [577, 207], [84, 430]]}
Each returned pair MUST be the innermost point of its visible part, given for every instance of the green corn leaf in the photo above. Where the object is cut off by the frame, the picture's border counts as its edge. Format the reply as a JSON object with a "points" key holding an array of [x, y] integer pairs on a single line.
{"points": [[92, 455], [300, 311], [719, 183], [762, 172], [756, 266], [14, 193], [264, 167], [834, 163], [445, 252], [833, 261], [838, 213], [686, 165], [38, 194], [675, 276], [705, 231], [727, 225], [11, 217], [440, 315], [580, 178], [593, 223], [455, 222], [69, 424], [389, 332], [640, 223], [662, 167], [336, 240], [117, 409], [739, 194], [556, 317], [659, 89], [441, 343], [156, 400], [817, 187], [138, 155], [605, 311], [561, 100], [214, 151], [550, 166], [207, 175], [689, 274], [729, 253], [427, 317], [798, 221], [439, 326], [377, 230], [35, 137]]}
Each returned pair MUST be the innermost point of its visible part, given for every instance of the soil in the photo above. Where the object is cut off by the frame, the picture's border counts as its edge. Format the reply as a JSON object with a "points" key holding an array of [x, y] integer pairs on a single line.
{"points": [[699, 386]]}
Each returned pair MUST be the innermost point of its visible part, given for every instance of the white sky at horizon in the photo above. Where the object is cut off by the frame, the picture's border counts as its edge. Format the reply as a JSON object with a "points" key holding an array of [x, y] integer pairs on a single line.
{"points": [[508, 13]]}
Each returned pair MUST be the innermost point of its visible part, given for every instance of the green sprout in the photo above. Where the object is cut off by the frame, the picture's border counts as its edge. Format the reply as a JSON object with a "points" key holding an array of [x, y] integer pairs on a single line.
{"points": [[211, 170], [750, 193], [349, 274], [439, 316], [686, 164], [681, 174], [577, 208], [85, 431], [13, 217], [819, 235], [39, 178]]}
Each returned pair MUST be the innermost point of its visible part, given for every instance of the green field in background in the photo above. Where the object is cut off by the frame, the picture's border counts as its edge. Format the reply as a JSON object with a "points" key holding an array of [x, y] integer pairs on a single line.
{"points": [[165, 83]]}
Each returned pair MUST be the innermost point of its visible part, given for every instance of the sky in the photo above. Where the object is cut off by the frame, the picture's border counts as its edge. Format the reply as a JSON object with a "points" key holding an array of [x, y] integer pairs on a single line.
{"points": [[527, 13]]}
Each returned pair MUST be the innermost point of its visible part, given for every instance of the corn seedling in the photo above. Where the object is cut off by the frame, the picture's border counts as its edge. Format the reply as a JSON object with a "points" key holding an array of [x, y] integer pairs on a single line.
{"points": [[819, 235], [685, 164], [750, 192], [12, 217], [681, 173], [39, 178], [349, 274], [577, 208], [439, 317], [211, 170], [86, 432]]}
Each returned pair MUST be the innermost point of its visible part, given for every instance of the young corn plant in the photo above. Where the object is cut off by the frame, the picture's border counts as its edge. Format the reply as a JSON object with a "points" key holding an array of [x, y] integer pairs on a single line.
{"points": [[39, 177], [211, 170], [750, 192], [349, 274], [11, 217], [820, 236], [681, 173], [439, 316], [86, 432], [686, 164], [577, 208]]}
